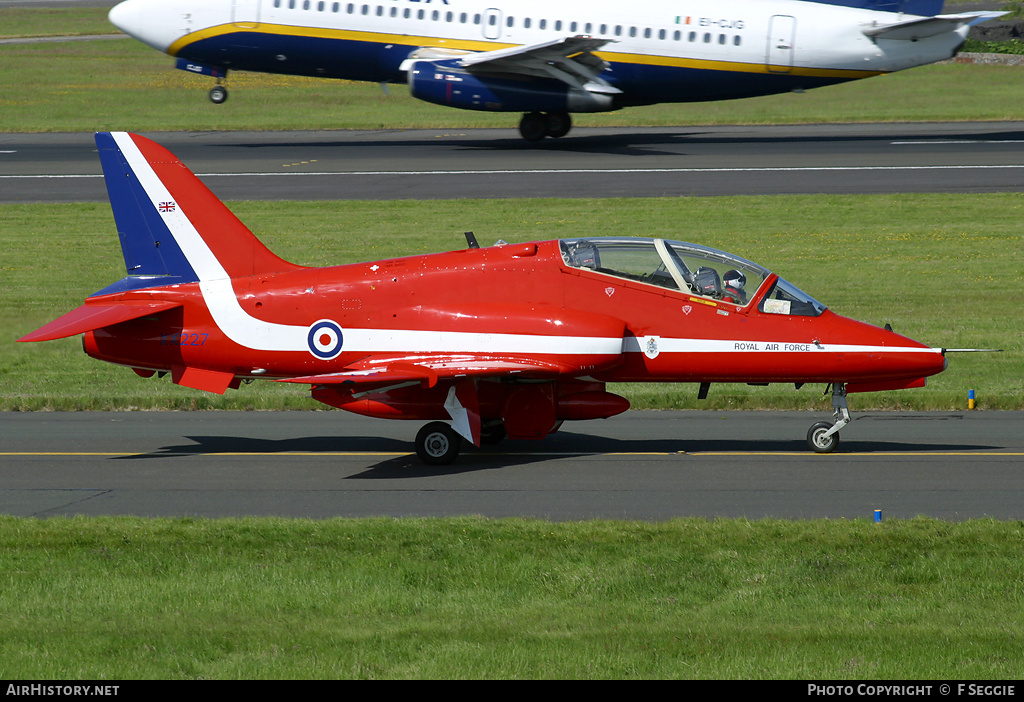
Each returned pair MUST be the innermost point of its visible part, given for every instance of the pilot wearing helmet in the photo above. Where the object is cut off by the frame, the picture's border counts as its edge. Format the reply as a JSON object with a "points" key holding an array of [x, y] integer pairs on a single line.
{"points": [[733, 282]]}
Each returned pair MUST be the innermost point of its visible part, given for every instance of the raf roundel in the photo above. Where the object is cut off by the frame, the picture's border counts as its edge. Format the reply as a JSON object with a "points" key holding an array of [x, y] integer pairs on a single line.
{"points": [[325, 339]]}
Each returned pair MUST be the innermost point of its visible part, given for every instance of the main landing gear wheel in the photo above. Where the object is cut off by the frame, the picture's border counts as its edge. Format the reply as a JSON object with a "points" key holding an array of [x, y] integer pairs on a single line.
{"points": [[534, 126], [818, 441], [437, 444], [558, 124], [218, 94]]}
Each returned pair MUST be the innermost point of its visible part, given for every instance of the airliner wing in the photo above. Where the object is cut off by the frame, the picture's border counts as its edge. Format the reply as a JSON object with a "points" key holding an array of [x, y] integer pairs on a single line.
{"points": [[922, 27], [570, 60]]}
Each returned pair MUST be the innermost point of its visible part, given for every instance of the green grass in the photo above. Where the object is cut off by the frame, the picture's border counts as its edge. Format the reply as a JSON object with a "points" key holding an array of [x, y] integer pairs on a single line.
{"points": [[125, 598], [123, 84], [946, 270]]}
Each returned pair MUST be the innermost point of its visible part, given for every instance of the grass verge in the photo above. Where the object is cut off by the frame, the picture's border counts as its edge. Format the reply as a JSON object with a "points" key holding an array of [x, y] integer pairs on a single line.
{"points": [[122, 598]]}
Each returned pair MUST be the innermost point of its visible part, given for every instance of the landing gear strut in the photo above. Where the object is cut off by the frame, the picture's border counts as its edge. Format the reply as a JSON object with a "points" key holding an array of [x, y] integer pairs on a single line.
{"points": [[534, 126], [824, 437]]}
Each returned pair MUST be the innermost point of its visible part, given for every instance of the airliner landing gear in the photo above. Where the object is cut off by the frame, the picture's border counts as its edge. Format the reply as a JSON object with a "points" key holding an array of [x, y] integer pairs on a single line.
{"points": [[437, 444], [824, 437], [218, 94], [534, 126]]}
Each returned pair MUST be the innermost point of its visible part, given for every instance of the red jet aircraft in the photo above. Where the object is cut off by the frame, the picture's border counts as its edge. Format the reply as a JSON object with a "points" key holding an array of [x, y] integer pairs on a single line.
{"points": [[508, 340]]}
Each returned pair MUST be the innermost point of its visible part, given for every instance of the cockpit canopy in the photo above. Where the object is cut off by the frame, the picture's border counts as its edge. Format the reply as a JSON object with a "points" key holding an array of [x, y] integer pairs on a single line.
{"points": [[691, 269]]}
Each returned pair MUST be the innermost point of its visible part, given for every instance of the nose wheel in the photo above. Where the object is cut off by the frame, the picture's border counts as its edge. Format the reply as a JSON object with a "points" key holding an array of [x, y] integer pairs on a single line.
{"points": [[824, 437], [218, 94]]}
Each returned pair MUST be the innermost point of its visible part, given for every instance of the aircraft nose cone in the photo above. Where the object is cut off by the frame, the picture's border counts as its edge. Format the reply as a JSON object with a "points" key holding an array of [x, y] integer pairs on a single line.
{"points": [[148, 21], [124, 16]]}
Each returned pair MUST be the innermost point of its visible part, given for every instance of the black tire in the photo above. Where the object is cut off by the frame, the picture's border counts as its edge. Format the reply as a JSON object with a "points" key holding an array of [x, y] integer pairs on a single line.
{"points": [[558, 124], [218, 94], [492, 434], [533, 126], [437, 444], [819, 444]]}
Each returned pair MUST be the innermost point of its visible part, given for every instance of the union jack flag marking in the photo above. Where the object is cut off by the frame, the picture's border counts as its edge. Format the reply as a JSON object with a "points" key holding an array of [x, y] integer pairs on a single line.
{"points": [[167, 207]]}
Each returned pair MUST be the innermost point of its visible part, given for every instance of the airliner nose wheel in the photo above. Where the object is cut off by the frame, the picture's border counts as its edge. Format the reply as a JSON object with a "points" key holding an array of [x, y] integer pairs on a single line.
{"points": [[437, 444], [534, 126], [218, 94]]}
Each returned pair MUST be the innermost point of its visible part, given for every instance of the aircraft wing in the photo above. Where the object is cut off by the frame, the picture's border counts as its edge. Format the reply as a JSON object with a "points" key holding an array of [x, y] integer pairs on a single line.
{"points": [[570, 60], [922, 27], [370, 374]]}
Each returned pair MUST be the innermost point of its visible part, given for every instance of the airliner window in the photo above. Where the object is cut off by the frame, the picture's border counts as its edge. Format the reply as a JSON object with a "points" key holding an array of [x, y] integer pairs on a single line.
{"points": [[786, 298]]}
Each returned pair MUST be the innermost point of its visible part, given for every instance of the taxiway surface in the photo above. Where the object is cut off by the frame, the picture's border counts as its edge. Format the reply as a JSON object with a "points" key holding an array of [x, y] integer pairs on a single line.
{"points": [[648, 465], [496, 163]]}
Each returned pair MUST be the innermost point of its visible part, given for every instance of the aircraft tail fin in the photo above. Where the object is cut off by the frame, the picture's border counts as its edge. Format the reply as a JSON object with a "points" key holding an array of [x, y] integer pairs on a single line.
{"points": [[172, 228]]}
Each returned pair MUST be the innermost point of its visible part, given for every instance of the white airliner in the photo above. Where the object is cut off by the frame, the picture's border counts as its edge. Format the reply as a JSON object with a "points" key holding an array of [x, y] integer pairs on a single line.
{"points": [[548, 59]]}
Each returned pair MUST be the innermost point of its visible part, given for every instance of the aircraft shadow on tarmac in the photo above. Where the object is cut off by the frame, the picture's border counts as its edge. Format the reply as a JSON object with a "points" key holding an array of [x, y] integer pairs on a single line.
{"points": [[514, 453], [632, 142]]}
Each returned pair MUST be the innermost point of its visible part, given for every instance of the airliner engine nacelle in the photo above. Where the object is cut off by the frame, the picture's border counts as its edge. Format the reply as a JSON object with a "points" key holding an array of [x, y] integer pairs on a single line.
{"points": [[445, 83]]}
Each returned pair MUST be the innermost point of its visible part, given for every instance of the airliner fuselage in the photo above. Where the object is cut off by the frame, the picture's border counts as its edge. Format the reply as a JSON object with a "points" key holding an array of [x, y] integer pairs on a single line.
{"points": [[551, 58]]}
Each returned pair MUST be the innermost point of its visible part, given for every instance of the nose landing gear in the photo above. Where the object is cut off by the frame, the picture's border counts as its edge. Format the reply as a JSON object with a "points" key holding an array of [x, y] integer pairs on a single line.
{"points": [[218, 94], [824, 437]]}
